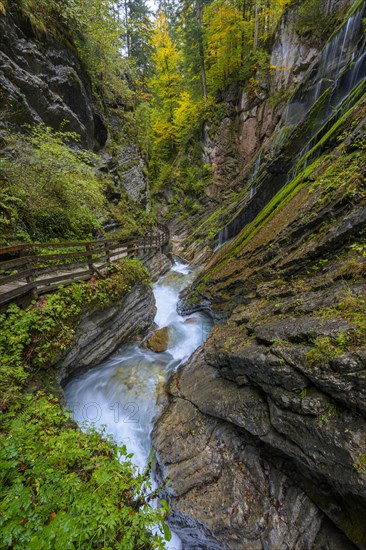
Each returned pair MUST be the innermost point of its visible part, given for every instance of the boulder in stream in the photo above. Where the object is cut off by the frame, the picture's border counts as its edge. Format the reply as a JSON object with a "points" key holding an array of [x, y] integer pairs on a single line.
{"points": [[158, 341]]}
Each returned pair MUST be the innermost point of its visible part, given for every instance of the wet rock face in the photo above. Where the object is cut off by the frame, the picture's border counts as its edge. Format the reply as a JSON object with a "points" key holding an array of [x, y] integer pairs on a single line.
{"points": [[45, 82], [278, 372], [225, 491], [131, 165], [102, 331], [127, 168], [254, 145], [156, 262], [270, 379]]}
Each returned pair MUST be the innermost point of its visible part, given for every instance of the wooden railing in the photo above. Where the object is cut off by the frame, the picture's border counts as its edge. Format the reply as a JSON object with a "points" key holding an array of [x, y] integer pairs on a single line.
{"points": [[39, 268]]}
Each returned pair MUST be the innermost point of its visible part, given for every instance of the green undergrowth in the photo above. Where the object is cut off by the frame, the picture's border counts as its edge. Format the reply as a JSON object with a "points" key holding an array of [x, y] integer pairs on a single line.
{"points": [[48, 189], [51, 191], [62, 488], [34, 337], [187, 176], [353, 265], [351, 308], [59, 487], [313, 22], [281, 97], [208, 229], [325, 349]]}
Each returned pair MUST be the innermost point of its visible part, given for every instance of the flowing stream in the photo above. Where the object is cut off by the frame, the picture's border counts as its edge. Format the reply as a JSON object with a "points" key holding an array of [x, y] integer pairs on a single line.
{"points": [[119, 396]]}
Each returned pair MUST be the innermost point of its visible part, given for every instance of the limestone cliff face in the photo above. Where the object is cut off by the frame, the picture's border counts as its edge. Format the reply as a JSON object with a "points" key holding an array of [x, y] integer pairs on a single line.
{"points": [[290, 110], [44, 81], [273, 408], [228, 488], [128, 170], [280, 384], [267, 128]]}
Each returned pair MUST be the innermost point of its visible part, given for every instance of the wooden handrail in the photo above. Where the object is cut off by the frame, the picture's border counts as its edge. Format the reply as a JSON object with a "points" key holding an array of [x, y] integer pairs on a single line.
{"points": [[77, 244], [27, 273]]}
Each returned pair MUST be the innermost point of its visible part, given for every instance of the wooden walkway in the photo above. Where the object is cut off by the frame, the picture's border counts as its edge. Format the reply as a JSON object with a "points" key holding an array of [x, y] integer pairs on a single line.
{"points": [[33, 269]]}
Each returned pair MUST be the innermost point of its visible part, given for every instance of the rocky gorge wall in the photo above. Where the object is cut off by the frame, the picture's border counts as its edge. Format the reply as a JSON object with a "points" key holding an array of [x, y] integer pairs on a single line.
{"points": [[102, 330], [263, 433], [43, 80], [273, 407], [271, 122], [286, 125]]}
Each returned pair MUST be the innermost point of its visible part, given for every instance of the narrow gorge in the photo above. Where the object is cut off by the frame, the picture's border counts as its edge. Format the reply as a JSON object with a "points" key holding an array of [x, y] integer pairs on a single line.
{"points": [[208, 393], [264, 436]]}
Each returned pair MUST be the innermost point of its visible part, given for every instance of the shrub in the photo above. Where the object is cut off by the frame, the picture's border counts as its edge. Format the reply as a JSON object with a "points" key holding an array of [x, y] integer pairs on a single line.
{"points": [[61, 488], [51, 190], [33, 338]]}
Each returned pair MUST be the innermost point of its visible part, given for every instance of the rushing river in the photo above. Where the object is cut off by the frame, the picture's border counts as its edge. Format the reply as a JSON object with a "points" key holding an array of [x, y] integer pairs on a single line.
{"points": [[119, 395]]}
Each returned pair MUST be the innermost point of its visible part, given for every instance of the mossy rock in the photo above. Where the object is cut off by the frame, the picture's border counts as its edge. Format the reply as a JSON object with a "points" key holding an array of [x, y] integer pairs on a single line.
{"points": [[159, 341]]}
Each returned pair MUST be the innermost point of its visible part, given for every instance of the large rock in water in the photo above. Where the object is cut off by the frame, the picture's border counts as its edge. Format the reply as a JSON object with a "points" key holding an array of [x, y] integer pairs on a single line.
{"points": [[102, 331], [158, 341], [44, 81]]}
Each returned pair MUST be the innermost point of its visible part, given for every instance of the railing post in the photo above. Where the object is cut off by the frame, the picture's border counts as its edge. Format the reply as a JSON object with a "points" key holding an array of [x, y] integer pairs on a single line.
{"points": [[89, 257], [107, 253], [30, 279], [130, 249]]}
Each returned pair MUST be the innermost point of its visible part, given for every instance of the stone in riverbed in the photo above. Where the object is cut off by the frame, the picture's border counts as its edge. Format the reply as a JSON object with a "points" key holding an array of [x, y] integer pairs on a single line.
{"points": [[159, 341]]}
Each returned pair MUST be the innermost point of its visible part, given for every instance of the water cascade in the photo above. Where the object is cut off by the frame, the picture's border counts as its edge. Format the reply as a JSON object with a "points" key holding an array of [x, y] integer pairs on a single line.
{"points": [[119, 396], [340, 79], [337, 84], [342, 56]]}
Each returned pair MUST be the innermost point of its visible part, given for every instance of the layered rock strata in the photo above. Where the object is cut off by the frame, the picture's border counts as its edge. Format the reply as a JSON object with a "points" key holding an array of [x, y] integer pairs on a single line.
{"points": [[101, 331]]}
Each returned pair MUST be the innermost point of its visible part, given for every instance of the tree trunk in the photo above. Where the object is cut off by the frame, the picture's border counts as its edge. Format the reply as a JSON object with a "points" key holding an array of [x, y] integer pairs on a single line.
{"points": [[201, 50], [127, 22], [256, 24]]}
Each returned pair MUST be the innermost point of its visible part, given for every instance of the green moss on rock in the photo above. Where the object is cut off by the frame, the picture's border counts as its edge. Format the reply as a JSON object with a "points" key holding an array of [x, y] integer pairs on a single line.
{"points": [[159, 341]]}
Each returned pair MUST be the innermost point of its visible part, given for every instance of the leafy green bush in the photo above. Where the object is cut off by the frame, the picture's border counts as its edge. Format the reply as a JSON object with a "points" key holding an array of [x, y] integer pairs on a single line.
{"points": [[61, 488], [50, 190], [312, 20], [34, 337]]}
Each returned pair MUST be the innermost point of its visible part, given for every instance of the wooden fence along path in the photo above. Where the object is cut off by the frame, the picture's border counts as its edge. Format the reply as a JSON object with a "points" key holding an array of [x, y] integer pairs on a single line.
{"points": [[29, 272]]}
